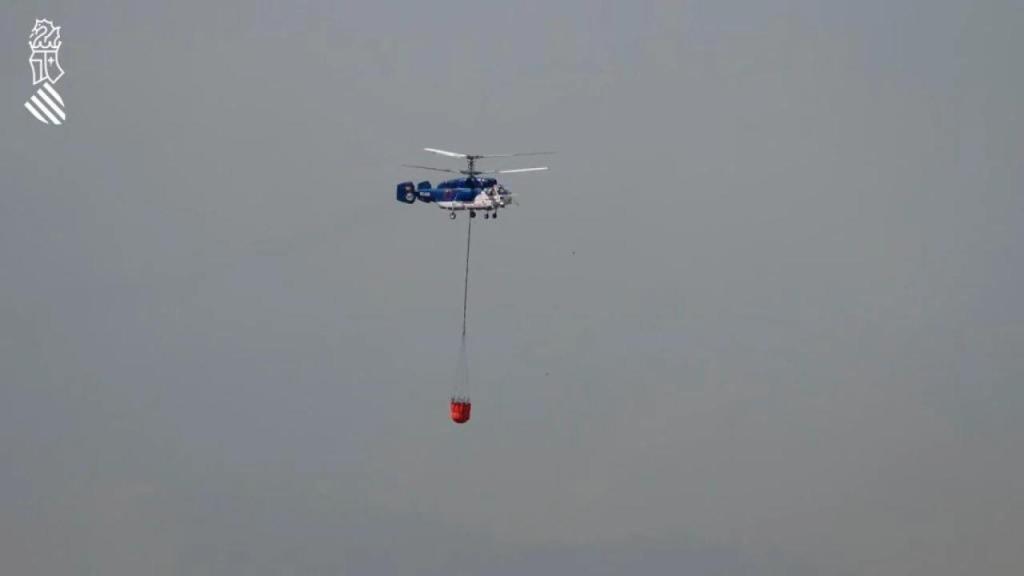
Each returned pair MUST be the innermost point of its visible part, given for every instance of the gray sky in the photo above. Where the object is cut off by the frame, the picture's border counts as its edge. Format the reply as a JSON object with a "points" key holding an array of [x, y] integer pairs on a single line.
{"points": [[762, 317]]}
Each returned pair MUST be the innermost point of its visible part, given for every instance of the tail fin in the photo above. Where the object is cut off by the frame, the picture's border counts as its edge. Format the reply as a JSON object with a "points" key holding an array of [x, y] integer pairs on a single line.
{"points": [[405, 192]]}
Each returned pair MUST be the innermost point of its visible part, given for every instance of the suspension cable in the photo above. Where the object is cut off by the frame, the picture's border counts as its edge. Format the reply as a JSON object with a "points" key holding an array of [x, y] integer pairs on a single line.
{"points": [[465, 286]]}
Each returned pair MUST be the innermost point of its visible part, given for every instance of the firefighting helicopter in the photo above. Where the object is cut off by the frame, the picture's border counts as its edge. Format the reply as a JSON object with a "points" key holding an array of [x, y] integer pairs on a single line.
{"points": [[471, 193]]}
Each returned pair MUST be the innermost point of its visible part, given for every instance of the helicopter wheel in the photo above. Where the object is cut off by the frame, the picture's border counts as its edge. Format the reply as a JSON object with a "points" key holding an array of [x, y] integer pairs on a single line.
{"points": [[451, 215], [472, 214], [495, 215], [487, 215]]}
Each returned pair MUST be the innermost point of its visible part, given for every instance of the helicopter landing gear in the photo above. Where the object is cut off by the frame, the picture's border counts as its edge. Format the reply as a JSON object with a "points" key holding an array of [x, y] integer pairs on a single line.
{"points": [[472, 213], [451, 215], [487, 215], [495, 215]]}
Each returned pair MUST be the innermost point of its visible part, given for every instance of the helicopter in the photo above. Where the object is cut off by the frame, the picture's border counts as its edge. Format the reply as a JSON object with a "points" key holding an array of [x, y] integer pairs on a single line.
{"points": [[471, 193]]}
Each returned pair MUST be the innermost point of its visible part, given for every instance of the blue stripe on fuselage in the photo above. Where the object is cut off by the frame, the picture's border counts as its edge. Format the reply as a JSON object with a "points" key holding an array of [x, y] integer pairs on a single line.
{"points": [[451, 194]]}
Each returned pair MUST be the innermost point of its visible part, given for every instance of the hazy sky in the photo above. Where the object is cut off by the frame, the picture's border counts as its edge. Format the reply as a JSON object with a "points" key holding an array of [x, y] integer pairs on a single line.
{"points": [[762, 317]]}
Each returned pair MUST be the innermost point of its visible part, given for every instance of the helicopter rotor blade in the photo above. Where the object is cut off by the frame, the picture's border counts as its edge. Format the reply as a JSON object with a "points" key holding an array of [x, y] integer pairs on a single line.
{"points": [[447, 153], [515, 170], [512, 154], [478, 156], [431, 168]]}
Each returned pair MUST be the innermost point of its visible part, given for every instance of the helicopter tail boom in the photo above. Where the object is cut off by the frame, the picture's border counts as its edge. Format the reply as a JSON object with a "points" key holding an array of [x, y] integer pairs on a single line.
{"points": [[408, 193]]}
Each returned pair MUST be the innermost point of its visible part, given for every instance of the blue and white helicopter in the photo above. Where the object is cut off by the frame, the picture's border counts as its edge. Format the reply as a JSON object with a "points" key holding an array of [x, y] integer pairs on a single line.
{"points": [[471, 193]]}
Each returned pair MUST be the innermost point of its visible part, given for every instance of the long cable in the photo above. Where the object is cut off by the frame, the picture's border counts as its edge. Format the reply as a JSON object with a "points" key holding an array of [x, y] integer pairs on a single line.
{"points": [[465, 286], [460, 387]]}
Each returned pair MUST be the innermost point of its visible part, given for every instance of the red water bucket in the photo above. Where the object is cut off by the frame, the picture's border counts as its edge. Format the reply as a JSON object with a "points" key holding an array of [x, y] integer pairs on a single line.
{"points": [[459, 409]]}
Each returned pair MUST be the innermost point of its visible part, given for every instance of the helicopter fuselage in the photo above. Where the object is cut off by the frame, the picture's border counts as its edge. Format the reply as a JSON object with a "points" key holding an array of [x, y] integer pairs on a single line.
{"points": [[484, 194]]}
